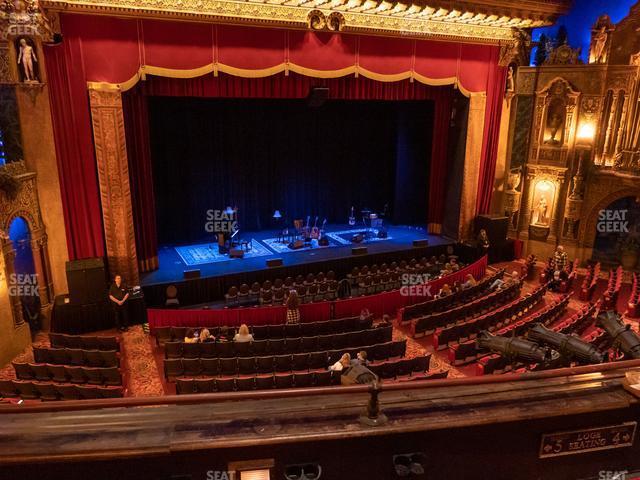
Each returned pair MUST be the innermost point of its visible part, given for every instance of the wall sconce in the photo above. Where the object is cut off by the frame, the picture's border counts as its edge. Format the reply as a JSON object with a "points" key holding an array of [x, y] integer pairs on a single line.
{"points": [[587, 132]]}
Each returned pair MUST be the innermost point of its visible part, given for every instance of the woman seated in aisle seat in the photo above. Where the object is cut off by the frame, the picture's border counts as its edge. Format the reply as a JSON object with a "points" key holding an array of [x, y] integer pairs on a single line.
{"points": [[444, 291], [243, 334], [342, 364]]}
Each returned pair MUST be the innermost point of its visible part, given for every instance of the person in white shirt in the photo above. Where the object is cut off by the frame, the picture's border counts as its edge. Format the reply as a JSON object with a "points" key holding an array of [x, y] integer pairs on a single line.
{"points": [[243, 334]]}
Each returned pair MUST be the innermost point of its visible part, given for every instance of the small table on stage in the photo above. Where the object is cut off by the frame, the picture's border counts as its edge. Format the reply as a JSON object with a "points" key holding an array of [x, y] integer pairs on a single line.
{"points": [[77, 319]]}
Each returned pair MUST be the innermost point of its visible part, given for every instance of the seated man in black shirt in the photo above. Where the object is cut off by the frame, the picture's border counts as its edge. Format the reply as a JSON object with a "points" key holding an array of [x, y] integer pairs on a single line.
{"points": [[118, 295]]}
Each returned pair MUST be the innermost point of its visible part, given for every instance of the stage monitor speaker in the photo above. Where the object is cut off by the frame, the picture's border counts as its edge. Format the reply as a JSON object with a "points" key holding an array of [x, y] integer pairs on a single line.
{"points": [[317, 96], [359, 251], [236, 253], [421, 243], [274, 262], [189, 274], [87, 281], [496, 227], [357, 238]]}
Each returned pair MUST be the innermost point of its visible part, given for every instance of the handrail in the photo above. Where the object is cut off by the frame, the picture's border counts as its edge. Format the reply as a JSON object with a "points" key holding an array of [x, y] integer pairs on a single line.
{"points": [[197, 398]]}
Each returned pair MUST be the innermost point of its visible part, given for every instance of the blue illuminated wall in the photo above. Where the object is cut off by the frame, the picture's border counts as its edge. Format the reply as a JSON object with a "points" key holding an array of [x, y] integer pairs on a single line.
{"points": [[581, 18]]}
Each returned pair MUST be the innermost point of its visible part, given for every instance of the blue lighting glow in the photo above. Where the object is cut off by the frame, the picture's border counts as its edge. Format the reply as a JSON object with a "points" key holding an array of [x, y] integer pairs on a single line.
{"points": [[3, 156], [581, 18]]}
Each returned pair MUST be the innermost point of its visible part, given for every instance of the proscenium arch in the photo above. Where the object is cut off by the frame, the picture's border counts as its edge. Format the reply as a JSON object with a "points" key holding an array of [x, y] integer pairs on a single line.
{"points": [[588, 230]]}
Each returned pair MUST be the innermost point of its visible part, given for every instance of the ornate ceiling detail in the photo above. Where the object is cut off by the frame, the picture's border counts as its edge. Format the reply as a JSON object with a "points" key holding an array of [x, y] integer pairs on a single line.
{"points": [[486, 21]]}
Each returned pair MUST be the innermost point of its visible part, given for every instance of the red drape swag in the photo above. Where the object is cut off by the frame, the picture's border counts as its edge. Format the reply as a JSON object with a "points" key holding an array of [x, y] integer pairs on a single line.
{"points": [[114, 50]]}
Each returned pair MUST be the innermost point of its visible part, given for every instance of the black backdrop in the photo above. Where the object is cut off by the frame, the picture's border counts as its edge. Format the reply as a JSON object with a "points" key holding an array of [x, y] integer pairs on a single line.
{"points": [[262, 155]]}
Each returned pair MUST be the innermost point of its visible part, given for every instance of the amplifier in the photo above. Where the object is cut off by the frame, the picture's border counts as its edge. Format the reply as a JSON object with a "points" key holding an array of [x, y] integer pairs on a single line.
{"points": [[274, 262], [298, 244], [87, 280], [188, 274]]}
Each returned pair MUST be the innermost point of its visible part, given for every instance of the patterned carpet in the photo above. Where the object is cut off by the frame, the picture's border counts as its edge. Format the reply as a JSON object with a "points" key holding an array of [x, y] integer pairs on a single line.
{"points": [[208, 253]]}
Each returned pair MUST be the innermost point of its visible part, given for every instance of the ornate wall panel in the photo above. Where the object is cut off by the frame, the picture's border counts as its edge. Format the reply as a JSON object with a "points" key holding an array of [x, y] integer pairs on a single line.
{"points": [[113, 175]]}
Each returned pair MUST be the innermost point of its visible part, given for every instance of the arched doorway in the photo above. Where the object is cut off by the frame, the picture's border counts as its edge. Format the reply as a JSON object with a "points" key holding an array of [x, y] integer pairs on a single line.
{"points": [[617, 236], [24, 283]]}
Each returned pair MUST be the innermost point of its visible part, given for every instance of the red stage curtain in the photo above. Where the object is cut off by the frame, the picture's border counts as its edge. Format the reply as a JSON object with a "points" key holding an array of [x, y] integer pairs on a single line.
{"points": [[74, 150], [495, 94], [136, 121], [439, 157]]}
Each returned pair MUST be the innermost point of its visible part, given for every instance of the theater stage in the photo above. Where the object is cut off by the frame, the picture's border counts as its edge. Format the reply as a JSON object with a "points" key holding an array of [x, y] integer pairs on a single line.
{"points": [[217, 275]]}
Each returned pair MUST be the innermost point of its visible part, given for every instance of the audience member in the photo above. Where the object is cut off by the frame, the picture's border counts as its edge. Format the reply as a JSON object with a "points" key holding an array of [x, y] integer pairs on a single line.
{"points": [[293, 311], [342, 364], [243, 334]]}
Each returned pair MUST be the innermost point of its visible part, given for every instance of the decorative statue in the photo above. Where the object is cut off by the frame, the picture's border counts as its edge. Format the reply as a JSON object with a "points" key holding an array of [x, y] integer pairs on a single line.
{"points": [[540, 212], [513, 180], [27, 58], [599, 42], [511, 85], [555, 121]]}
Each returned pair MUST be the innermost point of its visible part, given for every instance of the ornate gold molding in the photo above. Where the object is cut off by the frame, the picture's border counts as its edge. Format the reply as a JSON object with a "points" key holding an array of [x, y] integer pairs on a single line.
{"points": [[113, 176], [485, 21]]}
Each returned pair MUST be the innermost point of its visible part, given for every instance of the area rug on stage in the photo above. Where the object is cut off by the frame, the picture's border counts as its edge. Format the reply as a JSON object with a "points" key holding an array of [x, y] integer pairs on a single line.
{"points": [[343, 237], [208, 253], [280, 247]]}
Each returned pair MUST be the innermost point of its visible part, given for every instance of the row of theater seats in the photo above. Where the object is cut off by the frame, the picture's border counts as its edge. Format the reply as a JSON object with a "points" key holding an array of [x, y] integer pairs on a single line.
{"points": [[67, 373], [258, 382], [460, 332], [634, 298], [589, 282], [430, 323], [279, 346], [30, 390], [76, 356], [567, 275], [404, 369], [466, 352], [424, 266], [610, 296], [176, 367], [269, 293], [442, 304], [264, 332], [84, 342], [578, 322]]}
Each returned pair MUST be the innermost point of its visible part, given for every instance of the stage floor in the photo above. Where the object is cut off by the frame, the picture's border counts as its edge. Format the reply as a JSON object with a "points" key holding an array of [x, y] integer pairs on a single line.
{"points": [[175, 259]]}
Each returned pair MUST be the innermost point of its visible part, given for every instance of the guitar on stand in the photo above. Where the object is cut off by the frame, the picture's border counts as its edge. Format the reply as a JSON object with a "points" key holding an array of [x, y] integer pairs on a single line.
{"points": [[323, 240], [352, 218], [315, 231], [306, 231]]}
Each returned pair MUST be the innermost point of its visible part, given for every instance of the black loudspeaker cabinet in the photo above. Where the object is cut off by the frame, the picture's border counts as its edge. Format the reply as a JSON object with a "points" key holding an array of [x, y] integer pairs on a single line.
{"points": [[87, 281], [496, 227]]}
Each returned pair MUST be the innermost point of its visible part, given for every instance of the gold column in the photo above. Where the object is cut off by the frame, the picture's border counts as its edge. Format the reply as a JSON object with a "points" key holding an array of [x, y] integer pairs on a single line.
{"points": [[501, 160], [113, 177], [471, 173], [40, 255], [9, 255]]}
